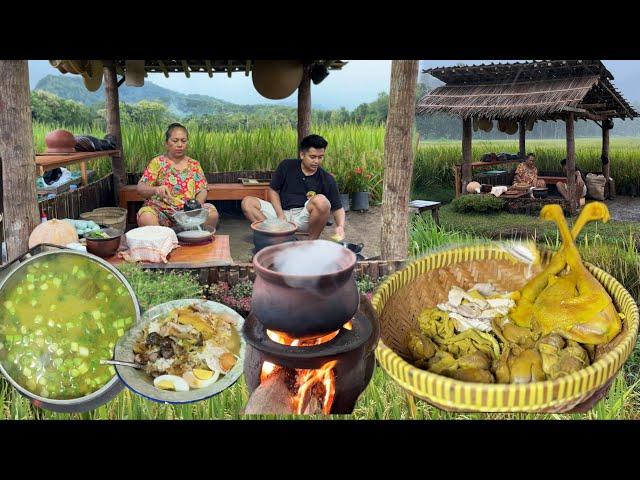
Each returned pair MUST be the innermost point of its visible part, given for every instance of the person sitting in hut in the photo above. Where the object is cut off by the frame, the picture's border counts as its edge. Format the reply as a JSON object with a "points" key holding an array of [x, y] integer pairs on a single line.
{"points": [[527, 173], [301, 192], [581, 186], [171, 180]]}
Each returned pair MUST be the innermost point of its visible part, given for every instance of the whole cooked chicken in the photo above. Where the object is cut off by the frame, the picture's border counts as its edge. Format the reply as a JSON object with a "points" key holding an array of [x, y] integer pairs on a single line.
{"points": [[565, 298]]}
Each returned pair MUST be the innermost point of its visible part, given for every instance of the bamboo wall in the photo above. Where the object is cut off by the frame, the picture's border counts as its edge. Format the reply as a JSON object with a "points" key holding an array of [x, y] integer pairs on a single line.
{"points": [[72, 203]]}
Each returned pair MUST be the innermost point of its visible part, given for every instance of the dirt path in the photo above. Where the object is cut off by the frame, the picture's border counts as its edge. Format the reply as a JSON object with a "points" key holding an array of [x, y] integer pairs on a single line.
{"points": [[625, 208]]}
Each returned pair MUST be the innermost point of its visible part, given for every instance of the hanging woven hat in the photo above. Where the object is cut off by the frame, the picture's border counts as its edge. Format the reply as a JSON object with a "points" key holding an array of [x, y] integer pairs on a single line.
{"points": [[276, 79], [134, 73], [92, 75], [508, 126], [530, 123], [485, 124]]}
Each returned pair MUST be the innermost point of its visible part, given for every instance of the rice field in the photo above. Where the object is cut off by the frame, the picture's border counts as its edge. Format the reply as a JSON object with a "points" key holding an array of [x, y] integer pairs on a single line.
{"points": [[352, 146]]}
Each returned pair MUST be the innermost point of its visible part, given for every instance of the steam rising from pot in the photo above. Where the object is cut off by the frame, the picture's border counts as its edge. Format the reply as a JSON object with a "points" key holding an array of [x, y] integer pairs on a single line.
{"points": [[321, 258]]}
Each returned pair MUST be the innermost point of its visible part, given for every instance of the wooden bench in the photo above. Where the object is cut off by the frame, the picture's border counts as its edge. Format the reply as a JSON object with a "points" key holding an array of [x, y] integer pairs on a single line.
{"points": [[552, 180], [215, 191]]}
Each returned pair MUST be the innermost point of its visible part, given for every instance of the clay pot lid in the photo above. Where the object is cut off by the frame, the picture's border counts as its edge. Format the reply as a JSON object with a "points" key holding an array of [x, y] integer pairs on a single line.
{"points": [[60, 141]]}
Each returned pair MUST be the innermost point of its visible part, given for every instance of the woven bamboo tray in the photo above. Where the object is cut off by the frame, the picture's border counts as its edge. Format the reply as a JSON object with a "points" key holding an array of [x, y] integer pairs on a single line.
{"points": [[427, 281]]}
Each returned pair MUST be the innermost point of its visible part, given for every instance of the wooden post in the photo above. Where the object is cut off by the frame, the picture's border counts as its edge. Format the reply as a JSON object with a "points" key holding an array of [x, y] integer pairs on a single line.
{"points": [[523, 134], [19, 197], [112, 107], [571, 162], [398, 160], [606, 167], [304, 105], [466, 153]]}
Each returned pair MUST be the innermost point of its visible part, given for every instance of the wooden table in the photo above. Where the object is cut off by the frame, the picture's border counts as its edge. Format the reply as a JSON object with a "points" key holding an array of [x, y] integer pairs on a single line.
{"points": [[45, 161], [457, 171], [423, 205], [215, 191], [213, 254]]}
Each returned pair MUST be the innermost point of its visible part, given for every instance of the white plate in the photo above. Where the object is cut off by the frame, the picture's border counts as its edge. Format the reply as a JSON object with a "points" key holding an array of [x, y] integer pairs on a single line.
{"points": [[139, 382]]}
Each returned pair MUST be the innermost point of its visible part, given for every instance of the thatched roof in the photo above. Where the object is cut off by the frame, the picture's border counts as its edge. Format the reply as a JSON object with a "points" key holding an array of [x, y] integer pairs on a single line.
{"points": [[541, 90]]}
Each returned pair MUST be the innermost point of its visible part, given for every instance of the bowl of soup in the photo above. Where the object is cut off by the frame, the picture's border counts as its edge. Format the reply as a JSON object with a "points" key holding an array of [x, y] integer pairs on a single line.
{"points": [[62, 312]]}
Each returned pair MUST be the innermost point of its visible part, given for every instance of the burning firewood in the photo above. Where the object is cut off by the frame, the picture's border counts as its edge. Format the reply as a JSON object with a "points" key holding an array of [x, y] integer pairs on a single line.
{"points": [[271, 397]]}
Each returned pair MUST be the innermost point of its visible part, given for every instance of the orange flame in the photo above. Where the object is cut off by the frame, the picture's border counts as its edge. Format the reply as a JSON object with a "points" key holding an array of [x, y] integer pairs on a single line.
{"points": [[307, 378]]}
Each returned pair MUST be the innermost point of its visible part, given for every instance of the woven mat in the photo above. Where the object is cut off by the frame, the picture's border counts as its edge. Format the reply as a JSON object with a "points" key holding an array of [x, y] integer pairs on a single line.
{"points": [[213, 254]]}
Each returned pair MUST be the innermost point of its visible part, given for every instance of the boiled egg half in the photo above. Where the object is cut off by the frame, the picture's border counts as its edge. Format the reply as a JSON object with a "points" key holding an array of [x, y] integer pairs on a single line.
{"points": [[201, 378], [171, 382]]}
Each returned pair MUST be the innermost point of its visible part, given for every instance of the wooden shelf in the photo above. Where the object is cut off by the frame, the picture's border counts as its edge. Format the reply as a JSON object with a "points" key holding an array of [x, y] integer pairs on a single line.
{"points": [[47, 161]]}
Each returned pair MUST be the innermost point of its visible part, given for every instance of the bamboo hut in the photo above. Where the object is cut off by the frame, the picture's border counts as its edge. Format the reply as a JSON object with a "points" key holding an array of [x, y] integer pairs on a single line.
{"points": [[526, 92], [17, 152]]}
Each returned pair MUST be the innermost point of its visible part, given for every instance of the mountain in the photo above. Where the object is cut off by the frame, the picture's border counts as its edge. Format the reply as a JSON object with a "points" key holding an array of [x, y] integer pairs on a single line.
{"points": [[72, 88]]}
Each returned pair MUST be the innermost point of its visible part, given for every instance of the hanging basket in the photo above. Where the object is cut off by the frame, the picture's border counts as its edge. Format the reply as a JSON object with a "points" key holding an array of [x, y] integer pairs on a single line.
{"points": [[114, 217]]}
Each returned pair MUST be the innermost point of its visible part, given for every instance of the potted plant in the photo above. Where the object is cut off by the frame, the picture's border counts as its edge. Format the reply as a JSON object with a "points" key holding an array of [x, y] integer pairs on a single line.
{"points": [[342, 189], [358, 185]]}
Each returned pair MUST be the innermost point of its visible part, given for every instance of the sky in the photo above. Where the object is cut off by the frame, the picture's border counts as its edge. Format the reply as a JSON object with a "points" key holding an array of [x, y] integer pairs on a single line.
{"points": [[358, 82]]}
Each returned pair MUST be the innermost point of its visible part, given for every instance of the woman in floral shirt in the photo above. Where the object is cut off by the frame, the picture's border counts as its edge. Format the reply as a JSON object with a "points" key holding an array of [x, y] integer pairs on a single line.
{"points": [[527, 172], [170, 180]]}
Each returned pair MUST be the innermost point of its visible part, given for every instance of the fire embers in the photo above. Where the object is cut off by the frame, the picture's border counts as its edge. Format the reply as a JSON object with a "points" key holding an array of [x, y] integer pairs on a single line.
{"points": [[295, 390]]}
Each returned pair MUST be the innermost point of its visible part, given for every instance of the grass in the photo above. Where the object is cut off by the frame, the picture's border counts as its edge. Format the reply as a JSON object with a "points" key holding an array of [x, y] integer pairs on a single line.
{"points": [[509, 225]]}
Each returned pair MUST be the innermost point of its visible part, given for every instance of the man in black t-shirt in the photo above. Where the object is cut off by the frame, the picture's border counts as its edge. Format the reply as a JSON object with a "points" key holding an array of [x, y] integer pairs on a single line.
{"points": [[301, 192]]}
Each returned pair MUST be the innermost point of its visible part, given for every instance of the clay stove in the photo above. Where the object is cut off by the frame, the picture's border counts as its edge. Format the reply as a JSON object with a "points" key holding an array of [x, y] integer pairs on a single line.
{"points": [[320, 371], [314, 375]]}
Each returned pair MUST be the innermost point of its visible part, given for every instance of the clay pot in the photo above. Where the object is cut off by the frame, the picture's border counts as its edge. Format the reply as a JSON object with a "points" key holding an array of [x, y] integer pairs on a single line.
{"points": [[264, 238], [60, 141], [304, 305]]}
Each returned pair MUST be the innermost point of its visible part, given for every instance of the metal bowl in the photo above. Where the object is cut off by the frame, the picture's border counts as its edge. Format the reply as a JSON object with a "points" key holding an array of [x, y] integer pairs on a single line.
{"points": [[97, 398], [539, 192]]}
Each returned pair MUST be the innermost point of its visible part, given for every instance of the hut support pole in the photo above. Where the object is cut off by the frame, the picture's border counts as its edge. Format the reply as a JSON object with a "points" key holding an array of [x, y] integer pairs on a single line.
{"points": [[398, 160], [571, 162], [19, 197], [606, 167], [113, 127], [466, 153], [304, 105], [523, 134]]}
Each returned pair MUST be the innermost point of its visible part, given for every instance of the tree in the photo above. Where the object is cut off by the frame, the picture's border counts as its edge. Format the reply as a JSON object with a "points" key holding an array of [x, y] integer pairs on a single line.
{"points": [[398, 159], [17, 156], [51, 109]]}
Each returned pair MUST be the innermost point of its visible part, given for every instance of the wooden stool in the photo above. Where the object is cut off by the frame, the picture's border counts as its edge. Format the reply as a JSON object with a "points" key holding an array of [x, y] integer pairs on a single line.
{"points": [[423, 205]]}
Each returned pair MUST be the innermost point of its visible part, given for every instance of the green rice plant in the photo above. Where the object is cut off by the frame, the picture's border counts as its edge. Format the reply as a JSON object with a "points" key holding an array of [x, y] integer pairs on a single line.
{"points": [[434, 159]]}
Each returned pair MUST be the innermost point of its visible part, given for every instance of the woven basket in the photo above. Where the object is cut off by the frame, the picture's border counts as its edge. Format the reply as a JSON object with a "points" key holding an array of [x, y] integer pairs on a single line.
{"points": [[427, 281], [114, 217]]}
